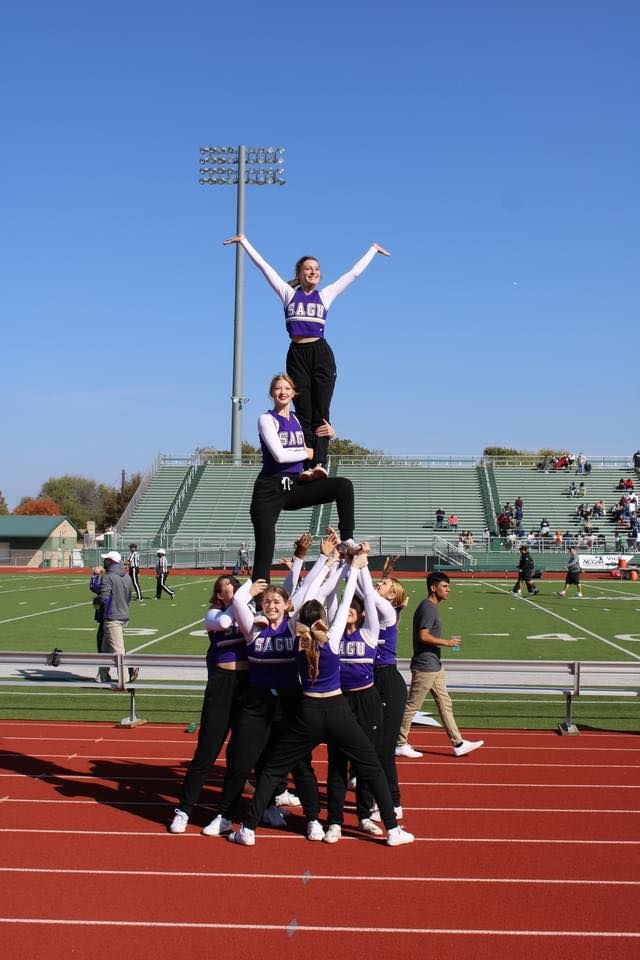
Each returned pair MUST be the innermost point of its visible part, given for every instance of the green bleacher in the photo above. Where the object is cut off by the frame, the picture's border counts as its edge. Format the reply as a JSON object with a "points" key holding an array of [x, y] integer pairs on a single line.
{"points": [[546, 495], [149, 514], [401, 501], [219, 508]]}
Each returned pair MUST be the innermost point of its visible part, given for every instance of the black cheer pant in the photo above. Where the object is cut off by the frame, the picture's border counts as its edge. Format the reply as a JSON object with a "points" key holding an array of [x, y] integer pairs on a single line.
{"points": [[219, 708], [323, 720], [366, 707], [393, 693], [273, 493], [312, 367]]}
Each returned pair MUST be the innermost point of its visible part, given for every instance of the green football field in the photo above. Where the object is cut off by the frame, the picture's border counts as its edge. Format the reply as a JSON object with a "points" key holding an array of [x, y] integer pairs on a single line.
{"points": [[40, 612]]}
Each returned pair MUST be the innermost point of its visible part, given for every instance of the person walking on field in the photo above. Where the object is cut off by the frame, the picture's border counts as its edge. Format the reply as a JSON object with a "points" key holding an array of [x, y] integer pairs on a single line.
{"points": [[310, 361], [162, 572], [427, 672], [526, 570], [572, 578], [115, 595]]}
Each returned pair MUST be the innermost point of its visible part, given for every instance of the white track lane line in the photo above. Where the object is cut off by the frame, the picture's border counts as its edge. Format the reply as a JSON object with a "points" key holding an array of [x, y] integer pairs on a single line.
{"points": [[301, 928]]}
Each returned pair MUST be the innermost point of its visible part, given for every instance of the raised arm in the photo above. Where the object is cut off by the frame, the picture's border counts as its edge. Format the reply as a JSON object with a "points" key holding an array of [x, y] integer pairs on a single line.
{"points": [[275, 281], [330, 292], [372, 621], [242, 612], [339, 624], [217, 620]]}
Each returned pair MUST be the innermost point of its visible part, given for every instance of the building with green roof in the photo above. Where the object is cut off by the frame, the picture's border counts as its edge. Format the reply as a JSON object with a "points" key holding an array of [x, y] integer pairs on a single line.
{"points": [[38, 541]]}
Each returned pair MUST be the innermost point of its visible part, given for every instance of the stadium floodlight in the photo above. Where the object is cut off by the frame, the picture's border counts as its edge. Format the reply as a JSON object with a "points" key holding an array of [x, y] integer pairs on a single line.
{"points": [[238, 166]]}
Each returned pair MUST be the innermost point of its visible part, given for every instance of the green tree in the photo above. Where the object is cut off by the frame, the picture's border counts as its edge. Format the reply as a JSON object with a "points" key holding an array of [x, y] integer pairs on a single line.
{"points": [[3, 505], [79, 498], [114, 502], [341, 447]]}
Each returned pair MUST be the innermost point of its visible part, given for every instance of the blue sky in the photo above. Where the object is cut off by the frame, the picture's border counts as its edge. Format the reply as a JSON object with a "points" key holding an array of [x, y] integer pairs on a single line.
{"points": [[493, 147]]}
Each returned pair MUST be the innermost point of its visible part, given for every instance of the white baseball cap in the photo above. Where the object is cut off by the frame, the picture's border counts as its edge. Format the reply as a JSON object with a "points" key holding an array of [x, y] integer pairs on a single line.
{"points": [[112, 555], [161, 552]]}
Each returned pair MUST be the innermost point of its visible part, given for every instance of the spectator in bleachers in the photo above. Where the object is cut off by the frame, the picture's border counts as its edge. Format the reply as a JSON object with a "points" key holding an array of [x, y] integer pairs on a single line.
{"points": [[621, 484], [573, 490], [562, 462], [582, 489], [486, 537], [557, 538], [440, 515], [518, 508], [599, 509], [628, 484], [545, 529], [568, 539], [453, 521], [581, 463]]}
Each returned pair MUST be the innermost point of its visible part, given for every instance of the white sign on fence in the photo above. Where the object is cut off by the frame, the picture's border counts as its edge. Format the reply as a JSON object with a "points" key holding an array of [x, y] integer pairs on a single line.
{"points": [[602, 561]]}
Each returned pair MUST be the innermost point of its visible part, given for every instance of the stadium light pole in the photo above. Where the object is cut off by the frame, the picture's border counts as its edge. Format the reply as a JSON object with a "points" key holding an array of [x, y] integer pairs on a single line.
{"points": [[240, 165]]}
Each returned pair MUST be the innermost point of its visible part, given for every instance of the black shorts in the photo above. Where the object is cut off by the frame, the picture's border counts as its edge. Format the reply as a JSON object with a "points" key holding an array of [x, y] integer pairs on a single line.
{"points": [[572, 579]]}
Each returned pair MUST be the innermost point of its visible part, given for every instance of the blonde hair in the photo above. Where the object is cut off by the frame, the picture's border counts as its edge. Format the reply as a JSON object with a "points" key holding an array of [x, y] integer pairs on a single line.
{"points": [[282, 376], [400, 599], [296, 280]]}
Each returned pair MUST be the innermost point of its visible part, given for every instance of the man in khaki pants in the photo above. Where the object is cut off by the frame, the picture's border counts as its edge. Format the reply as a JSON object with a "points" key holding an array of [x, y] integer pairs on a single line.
{"points": [[115, 595], [427, 672]]}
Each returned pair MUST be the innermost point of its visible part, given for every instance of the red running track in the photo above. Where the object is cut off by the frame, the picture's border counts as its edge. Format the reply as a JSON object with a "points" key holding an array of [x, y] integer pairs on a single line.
{"points": [[530, 844]]}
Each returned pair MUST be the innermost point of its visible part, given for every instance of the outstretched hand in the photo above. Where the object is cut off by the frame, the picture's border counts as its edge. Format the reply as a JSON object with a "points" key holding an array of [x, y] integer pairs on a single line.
{"points": [[258, 587], [379, 249], [302, 545], [236, 239], [325, 430]]}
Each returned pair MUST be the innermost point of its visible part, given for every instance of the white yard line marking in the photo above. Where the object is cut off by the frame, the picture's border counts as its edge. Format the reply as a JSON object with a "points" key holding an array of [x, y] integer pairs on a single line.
{"points": [[301, 928], [45, 613], [210, 875], [571, 623], [166, 636]]}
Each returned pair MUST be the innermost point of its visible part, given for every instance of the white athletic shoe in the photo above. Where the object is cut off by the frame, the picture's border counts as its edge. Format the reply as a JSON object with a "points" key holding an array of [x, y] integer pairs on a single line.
{"points": [[217, 826], [406, 750], [368, 826], [287, 799], [273, 817], [349, 548], [352, 783], [467, 746], [333, 834], [375, 814], [314, 830], [179, 822], [398, 836], [244, 836]]}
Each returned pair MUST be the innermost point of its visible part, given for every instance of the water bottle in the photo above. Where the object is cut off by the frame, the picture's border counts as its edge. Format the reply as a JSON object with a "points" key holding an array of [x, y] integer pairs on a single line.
{"points": [[456, 647]]}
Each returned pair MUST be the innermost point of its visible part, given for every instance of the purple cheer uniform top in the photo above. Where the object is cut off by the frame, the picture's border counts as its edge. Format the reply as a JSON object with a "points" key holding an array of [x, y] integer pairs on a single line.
{"points": [[226, 642], [281, 435], [328, 679], [387, 646], [272, 658], [357, 654], [305, 314]]}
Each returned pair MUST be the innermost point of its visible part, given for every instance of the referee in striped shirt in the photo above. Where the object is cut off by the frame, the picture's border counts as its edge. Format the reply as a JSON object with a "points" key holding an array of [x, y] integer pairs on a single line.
{"points": [[162, 572], [134, 569]]}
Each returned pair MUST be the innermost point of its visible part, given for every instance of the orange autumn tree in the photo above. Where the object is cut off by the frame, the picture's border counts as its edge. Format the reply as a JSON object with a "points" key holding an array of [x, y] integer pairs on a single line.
{"points": [[37, 507]]}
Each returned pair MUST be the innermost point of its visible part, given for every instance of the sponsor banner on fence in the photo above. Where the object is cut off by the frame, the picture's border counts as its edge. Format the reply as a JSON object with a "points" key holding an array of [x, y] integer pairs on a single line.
{"points": [[602, 561]]}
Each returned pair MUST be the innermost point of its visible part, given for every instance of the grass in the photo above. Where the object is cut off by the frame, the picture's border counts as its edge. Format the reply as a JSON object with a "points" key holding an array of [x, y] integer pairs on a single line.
{"points": [[39, 612]]}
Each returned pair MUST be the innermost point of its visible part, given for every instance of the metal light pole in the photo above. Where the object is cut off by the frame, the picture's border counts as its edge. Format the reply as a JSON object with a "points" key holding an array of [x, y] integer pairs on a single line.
{"points": [[240, 165]]}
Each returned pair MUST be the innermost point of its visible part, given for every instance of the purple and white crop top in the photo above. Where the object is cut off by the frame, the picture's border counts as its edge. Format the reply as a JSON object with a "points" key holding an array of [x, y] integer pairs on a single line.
{"points": [[282, 442], [226, 642], [305, 314], [357, 653]]}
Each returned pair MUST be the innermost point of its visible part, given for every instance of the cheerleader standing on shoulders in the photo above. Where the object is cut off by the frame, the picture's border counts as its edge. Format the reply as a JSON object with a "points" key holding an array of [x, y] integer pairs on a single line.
{"points": [[323, 716], [310, 360], [278, 485], [228, 671]]}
